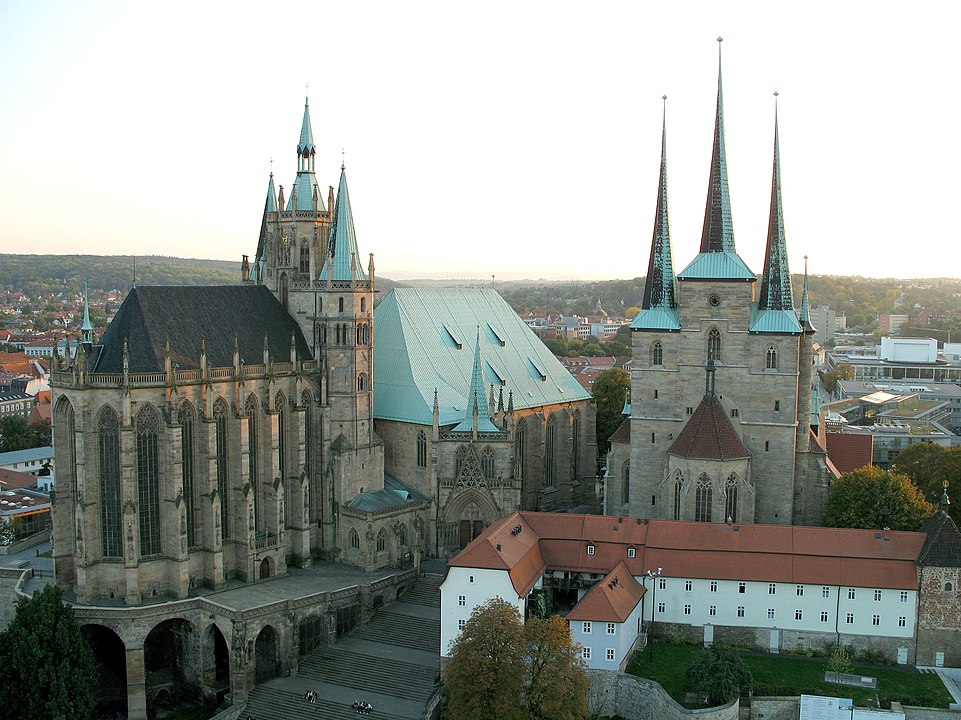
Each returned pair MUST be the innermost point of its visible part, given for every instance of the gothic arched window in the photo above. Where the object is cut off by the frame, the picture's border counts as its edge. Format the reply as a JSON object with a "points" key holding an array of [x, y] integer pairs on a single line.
{"points": [[253, 444], [185, 418], [520, 443], [771, 360], [382, 540], [220, 431], [108, 445], [308, 420], [280, 405], [363, 304], [305, 258], [626, 482], [421, 449], [340, 305], [353, 539], [678, 494], [703, 499], [657, 353], [575, 445], [65, 430], [460, 455], [487, 463], [549, 448], [362, 382], [402, 534], [148, 480], [730, 498], [714, 344]]}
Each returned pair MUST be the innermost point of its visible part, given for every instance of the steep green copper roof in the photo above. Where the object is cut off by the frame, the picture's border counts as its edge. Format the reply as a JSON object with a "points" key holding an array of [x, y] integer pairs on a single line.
{"points": [[306, 144], [416, 350], [476, 397], [805, 314], [775, 291], [717, 234], [717, 266], [660, 289], [307, 193], [271, 205], [87, 325], [657, 319], [774, 321], [342, 241]]}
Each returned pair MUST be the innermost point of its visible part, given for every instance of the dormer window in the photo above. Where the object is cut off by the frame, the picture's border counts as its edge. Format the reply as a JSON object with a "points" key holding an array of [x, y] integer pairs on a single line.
{"points": [[590, 549], [631, 552]]}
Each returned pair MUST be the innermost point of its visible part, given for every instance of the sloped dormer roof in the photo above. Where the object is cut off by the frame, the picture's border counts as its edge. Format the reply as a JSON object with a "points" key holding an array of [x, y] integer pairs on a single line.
{"points": [[709, 435]]}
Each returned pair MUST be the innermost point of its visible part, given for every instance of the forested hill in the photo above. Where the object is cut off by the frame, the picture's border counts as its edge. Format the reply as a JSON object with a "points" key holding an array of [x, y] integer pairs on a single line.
{"points": [[37, 275]]}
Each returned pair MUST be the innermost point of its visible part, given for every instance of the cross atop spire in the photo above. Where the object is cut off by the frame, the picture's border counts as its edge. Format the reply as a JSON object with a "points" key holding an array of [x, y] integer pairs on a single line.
{"points": [[776, 291]]}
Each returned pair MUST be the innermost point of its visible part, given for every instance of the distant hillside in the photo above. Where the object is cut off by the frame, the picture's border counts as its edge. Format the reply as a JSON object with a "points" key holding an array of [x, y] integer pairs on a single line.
{"points": [[45, 274]]}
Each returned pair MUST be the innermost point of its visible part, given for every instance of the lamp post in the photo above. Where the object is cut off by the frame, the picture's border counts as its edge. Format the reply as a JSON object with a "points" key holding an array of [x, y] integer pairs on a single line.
{"points": [[650, 630]]}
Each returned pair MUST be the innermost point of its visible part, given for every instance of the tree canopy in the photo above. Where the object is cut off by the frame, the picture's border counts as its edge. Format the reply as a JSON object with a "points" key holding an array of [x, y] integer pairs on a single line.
{"points": [[929, 465], [502, 668], [874, 499], [841, 372], [719, 673], [16, 434], [610, 390], [48, 668]]}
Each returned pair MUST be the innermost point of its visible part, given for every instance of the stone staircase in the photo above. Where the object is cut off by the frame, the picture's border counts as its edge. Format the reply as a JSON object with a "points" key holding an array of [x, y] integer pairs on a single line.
{"points": [[392, 663]]}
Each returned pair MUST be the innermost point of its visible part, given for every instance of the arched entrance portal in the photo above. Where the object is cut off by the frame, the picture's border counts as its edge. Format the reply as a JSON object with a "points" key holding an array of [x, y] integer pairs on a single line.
{"points": [[171, 678], [216, 666], [265, 568], [111, 657], [265, 650], [471, 524]]}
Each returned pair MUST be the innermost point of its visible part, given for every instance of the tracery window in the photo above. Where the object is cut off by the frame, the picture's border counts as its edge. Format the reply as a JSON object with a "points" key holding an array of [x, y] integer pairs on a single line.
{"points": [[382, 540], [626, 482], [66, 433], [678, 495], [576, 445], [402, 534], [657, 353], [421, 449], [108, 445], [362, 382], [703, 498], [549, 443], [253, 466], [185, 418], [308, 424], [730, 498], [220, 432], [460, 455], [148, 480], [354, 539], [771, 360], [714, 344], [520, 441], [280, 405], [305, 258], [487, 464]]}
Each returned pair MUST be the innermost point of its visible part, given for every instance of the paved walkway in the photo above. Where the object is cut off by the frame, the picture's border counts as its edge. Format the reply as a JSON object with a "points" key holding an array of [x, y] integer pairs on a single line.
{"points": [[392, 663]]}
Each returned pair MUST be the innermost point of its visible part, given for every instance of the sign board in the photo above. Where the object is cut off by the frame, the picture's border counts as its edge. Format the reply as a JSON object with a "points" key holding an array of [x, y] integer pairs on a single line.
{"points": [[815, 707]]}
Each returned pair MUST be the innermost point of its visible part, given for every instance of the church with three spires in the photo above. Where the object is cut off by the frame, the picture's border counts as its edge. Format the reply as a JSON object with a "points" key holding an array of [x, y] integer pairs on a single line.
{"points": [[719, 425], [226, 433]]}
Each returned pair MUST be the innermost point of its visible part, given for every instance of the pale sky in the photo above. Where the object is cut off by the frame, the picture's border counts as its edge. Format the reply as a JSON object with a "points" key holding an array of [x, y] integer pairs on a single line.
{"points": [[519, 139]]}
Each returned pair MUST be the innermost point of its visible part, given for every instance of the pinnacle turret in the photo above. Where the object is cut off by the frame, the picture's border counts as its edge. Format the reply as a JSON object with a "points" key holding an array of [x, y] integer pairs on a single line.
{"points": [[342, 261], [477, 410], [86, 330], [305, 194]]}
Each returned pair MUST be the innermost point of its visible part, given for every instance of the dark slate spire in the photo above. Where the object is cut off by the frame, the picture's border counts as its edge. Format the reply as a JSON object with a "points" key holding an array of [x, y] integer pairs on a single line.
{"points": [[718, 232], [805, 314], [776, 279], [661, 287], [270, 205]]}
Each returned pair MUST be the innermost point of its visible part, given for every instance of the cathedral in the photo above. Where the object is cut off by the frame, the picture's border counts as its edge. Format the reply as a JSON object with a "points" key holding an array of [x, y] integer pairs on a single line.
{"points": [[719, 425], [227, 433]]}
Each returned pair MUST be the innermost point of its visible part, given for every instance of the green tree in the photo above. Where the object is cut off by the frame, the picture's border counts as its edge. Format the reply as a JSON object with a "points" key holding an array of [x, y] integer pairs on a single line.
{"points": [[610, 389], [929, 466], [874, 499], [841, 372], [40, 434], [14, 433], [485, 675], [557, 682], [719, 673], [49, 670], [839, 662], [501, 668]]}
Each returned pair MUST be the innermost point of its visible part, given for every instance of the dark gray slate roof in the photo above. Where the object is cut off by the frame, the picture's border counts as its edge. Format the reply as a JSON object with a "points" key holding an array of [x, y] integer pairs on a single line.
{"points": [[942, 548], [186, 315], [395, 494]]}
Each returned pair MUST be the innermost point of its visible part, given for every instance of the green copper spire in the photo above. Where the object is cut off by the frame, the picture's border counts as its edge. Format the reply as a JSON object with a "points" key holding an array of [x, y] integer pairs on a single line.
{"points": [[342, 242], [305, 193], [659, 306], [270, 205], [718, 232], [776, 280], [805, 314], [86, 330], [476, 405], [305, 148]]}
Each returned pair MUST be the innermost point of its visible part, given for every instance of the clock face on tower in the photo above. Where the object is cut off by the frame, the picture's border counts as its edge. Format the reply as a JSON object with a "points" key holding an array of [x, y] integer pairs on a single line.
{"points": [[714, 300]]}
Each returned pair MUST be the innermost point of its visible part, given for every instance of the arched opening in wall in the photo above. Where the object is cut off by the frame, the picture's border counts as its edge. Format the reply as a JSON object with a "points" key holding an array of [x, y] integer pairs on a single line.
{"points": [[313, 633], [111, 656], [265, 568], [171, 678], [714, 344], [283, 290], [108, 446], [305, 258], [770, 361], [471, 524], [703, 499], [730, 498], [148, 479], [421, 449], [626, 482], [678, 494], [252, 411], [216, 670], [657, 353], [265, 653], [520, 445]]}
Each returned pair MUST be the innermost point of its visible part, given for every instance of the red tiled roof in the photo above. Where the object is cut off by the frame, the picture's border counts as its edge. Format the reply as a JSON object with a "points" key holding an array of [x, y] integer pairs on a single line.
{"points": [[709, 435], [613, 599], [623, 432], [850, 451], [768, 553], [13, 480]]}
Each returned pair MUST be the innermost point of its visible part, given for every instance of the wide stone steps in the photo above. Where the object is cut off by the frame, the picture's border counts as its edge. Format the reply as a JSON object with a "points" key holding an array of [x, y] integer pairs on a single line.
{"points": [[272, 702], [400, 629], [370, 674], [425, 592]]}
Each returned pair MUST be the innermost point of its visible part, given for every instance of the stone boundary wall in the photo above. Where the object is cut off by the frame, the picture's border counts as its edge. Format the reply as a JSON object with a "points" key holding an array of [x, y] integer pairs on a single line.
{"points": [[614, 693], [10, 581], [28, 542], [776, 708]]}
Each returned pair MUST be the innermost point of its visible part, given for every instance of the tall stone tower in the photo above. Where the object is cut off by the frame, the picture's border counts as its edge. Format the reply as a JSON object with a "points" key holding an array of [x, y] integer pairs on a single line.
{"points": [[738, 449], [307, 256]]}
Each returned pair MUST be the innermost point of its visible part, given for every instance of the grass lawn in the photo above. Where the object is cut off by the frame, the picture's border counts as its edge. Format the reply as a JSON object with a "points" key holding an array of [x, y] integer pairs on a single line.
{"points": [[49, 553], [794, 675]]}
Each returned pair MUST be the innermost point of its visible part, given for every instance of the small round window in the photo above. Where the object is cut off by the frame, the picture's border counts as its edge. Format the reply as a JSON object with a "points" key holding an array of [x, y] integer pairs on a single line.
{"points": [[714, 300]]}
